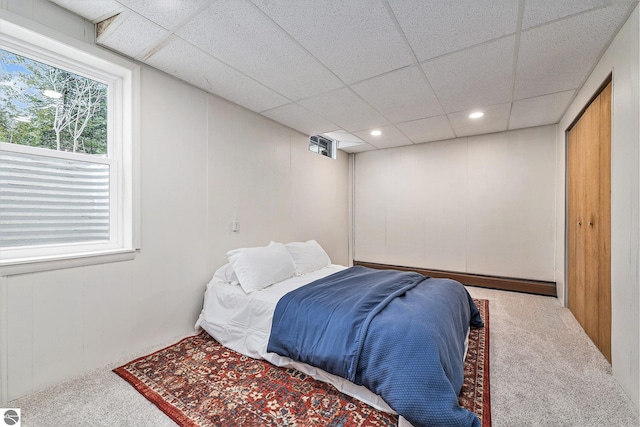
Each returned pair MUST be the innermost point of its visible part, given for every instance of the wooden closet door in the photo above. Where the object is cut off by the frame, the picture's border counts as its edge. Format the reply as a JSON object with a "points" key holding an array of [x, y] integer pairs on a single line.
{"points": [[603, 226], [576, 237], [589, 221]]}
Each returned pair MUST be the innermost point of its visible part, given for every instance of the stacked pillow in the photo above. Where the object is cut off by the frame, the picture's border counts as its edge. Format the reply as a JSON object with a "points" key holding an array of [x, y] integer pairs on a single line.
{"points": [[308, 256], [258, 267]]}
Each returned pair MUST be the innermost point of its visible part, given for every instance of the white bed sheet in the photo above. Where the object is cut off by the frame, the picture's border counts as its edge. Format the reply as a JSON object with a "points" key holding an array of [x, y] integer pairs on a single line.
{"points": [[242, 322]]}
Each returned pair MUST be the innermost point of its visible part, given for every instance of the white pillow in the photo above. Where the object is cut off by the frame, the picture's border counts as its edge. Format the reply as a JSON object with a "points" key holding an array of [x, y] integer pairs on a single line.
{"points": [[260, 267], [308, 256], [225, 274]]}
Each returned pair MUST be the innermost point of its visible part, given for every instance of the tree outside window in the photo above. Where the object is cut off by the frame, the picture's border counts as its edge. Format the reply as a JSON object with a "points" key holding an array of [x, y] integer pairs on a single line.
{"points": [[68, 144], [47, 107]]}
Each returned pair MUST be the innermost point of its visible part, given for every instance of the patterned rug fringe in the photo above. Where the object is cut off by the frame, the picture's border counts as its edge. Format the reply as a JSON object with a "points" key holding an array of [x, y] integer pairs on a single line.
{"points": [[198, 382]]}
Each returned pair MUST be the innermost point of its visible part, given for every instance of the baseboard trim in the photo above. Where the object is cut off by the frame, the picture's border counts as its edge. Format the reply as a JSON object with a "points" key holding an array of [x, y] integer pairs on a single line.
{"points": [[537, 287]]}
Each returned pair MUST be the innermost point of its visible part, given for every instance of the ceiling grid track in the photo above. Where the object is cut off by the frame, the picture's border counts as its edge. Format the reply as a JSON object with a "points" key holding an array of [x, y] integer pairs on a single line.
{"points": [[414, 69]]}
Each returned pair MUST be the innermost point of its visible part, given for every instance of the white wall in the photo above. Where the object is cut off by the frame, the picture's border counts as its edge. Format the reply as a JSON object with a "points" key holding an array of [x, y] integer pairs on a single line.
{"points": [[483, 204], [623, 59], [265, 174], [200, 157], [65, 322]]}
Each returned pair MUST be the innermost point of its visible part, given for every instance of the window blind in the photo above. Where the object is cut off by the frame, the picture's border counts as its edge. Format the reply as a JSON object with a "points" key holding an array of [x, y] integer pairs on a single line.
{"points": [[49, 200]]}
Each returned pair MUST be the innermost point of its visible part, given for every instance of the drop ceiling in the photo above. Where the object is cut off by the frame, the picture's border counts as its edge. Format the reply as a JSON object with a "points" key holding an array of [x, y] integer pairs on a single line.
{"points": [[413, 69]]}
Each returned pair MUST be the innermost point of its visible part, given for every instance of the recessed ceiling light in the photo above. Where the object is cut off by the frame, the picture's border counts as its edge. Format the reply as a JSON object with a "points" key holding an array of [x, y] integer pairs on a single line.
{"points": [[52, 94], [376, 132], [476, 115]]}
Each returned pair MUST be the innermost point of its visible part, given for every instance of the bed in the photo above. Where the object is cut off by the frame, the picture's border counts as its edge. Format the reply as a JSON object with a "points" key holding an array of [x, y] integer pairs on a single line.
{"points": [[394, 340]]}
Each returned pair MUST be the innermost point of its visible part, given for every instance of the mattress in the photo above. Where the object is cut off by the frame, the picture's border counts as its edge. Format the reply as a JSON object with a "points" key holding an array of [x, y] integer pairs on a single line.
{"points": [[242, 322]]}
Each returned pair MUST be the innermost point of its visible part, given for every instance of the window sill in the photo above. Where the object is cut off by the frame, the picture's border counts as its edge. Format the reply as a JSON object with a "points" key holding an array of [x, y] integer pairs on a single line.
{"points": [[10, 268]]}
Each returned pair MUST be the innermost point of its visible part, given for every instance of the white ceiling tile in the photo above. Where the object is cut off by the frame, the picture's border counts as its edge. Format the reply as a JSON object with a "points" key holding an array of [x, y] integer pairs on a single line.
{"points": [[358, 148], [345, 109], [494, 120], [348, 142], [436, 27], [167, 13], [345, 145], [118, 37], [542, 110], [390, 137], [94, 10], [473, 77], [427, 130], [400, 95], [558, 56], [295, 61], [343, 137], [355, 39], [238, 34], [538, 12], [300, 119], [194, 66]]}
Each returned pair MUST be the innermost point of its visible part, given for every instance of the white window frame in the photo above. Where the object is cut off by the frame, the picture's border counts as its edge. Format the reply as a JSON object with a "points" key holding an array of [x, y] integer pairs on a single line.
{"points": [[122, 77]]}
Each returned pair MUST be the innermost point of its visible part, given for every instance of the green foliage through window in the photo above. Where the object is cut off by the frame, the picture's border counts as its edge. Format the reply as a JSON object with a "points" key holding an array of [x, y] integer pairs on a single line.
{"points": [[47, 107]]}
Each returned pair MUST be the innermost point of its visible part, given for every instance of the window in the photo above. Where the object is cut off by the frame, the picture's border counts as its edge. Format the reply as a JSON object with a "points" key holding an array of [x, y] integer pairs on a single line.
{"points": [[67, 147], [322, 145]]}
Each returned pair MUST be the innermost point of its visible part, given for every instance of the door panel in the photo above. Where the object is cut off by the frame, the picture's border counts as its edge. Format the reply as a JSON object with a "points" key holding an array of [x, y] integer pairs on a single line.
{"points": [[575, 264], [590, 145], [604, 236], [589, 221]]}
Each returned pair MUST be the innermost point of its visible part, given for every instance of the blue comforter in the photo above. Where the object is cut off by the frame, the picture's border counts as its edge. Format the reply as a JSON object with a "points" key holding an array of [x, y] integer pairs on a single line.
{"points": [[399, 334]]}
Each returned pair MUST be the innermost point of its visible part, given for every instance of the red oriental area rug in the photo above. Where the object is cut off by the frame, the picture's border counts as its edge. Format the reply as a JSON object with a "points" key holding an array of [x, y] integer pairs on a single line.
{"points": [[197, 382]]}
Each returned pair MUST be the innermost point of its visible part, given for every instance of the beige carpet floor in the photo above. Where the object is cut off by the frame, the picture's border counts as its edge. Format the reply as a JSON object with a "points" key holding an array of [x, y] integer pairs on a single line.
{"points": [[544, 372]]}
